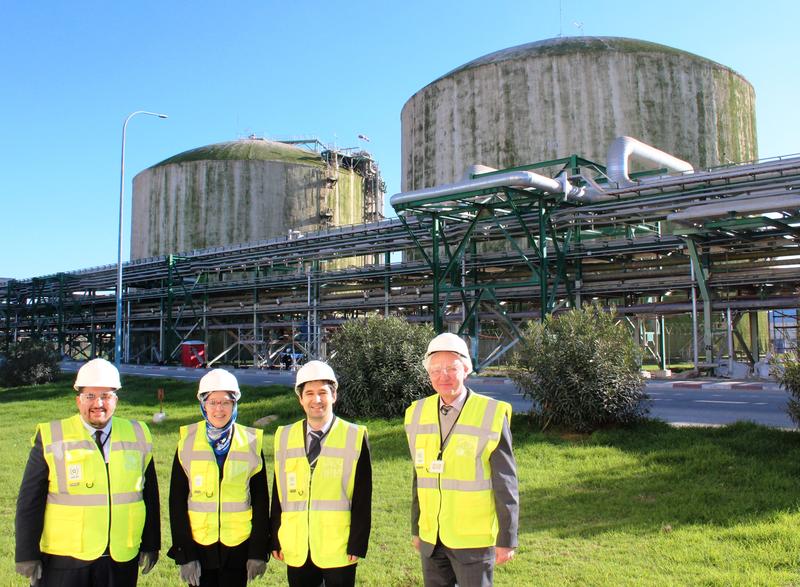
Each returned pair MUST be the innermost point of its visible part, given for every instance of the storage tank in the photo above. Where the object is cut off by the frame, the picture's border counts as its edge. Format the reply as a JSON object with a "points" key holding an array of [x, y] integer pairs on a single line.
{"points": [[248, 190], [574, 95]]}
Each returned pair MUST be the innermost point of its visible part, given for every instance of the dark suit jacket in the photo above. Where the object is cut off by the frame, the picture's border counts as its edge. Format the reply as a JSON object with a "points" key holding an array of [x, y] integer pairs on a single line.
{"points": [[31, 503], [506, 500], [360, 505], [216, 556]]}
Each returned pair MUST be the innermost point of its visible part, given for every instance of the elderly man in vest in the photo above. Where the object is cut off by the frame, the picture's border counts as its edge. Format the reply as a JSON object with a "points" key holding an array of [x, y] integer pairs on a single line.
{"points": [[88, 509], [465, 500], [322, 492]]}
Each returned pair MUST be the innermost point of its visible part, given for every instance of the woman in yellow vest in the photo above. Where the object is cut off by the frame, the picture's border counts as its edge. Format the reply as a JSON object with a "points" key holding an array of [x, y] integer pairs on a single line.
{"points": [[322, 490], [218, 495]]}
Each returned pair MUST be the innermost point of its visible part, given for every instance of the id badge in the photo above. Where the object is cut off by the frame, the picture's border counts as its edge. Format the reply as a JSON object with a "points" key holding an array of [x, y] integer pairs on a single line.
{"points": [[437, 467], [291, 481], [419, 458]]}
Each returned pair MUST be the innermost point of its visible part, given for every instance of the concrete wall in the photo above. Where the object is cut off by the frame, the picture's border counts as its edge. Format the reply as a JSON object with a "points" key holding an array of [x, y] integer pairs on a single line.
{"points": [[566, 96]]}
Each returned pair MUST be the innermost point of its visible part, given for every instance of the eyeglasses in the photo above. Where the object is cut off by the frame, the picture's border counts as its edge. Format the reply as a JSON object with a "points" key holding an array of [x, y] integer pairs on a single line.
{"points": [[225, 403], [91, 397], [438, 371]]}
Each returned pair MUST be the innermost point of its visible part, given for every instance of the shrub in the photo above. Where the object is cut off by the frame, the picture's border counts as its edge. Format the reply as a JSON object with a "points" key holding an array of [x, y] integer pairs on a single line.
{"points": [[378, 362], [581, 369], [29, 362], [789, 378]]}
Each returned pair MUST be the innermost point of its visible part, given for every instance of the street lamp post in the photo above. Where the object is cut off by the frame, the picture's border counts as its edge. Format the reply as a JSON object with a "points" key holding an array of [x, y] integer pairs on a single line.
{"points": [[118, 330]]}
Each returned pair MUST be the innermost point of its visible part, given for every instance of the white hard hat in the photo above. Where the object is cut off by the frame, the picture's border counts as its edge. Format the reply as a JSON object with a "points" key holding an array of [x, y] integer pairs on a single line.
{"points": [[219, 380], [314, 371], [97, 373], [449, 342]]}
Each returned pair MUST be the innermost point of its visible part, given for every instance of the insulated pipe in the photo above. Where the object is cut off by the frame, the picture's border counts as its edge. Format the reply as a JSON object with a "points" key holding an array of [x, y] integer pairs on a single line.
{"points": [[734, 206], [517, 179], [620, 152], [623, 149]]}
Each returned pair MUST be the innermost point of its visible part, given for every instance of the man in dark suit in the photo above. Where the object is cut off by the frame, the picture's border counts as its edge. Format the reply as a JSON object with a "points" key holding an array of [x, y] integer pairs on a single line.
{"points": [[88, 509], [322, 490], [465, 497]]}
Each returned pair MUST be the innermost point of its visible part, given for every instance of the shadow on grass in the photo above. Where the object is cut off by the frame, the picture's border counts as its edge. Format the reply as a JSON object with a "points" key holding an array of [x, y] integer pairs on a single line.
{"points": [[652, 477]]}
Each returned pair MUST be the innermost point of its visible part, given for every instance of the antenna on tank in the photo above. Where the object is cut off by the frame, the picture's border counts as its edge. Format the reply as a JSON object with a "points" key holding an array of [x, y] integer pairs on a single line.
{"points": [[560, 19]]}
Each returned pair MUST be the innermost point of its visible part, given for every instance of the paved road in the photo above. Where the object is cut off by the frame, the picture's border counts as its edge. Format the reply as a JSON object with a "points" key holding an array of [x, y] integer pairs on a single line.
{"points": [[711, 402]]}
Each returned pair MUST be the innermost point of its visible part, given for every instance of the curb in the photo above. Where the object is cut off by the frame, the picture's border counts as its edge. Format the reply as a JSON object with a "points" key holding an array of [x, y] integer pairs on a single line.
{"points": [[716, 385]]}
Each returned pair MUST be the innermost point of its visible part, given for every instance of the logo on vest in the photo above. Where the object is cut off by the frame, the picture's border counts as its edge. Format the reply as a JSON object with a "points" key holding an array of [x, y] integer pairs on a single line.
{"points": [[75, 472]]}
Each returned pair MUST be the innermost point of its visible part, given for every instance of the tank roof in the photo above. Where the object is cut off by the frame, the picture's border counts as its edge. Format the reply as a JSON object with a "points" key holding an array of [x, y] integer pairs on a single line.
{"points": [[572, 45], [246, 150]]}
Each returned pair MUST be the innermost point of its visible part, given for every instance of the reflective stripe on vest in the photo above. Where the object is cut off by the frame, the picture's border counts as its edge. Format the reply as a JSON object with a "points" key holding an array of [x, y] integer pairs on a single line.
{"points": [[456, 505], [220, 513], [78, 498], [315, 505]]}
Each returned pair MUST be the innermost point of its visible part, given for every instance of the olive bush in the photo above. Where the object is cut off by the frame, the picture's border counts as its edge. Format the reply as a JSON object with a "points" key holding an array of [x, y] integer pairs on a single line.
{"points": [[789, 378], [378, 362], [581, 369], [29, 362]]}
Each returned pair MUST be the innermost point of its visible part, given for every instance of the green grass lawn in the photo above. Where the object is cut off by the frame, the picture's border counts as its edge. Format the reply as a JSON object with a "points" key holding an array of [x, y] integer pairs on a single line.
{"points": [[650, 505]]}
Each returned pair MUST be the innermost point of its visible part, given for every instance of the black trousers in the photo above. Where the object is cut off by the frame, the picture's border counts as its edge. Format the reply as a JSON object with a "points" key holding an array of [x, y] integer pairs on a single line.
{"points": [[103, 572], [223, 577], [310, 575]]}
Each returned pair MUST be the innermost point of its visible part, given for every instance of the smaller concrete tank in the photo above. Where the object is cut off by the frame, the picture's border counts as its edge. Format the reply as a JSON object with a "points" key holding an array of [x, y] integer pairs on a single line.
{"points": [[249, 190]]}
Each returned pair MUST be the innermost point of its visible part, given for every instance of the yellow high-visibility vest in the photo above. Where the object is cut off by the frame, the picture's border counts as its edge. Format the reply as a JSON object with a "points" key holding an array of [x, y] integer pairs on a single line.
{"points": [[80, 491], [457, 504], [220, 513], [315, 507]]}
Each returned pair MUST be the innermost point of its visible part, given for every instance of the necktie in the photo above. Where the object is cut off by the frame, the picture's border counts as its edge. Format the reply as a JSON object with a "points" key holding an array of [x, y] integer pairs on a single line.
{"points": [[98, 440], [314, 447], [445, 409]]}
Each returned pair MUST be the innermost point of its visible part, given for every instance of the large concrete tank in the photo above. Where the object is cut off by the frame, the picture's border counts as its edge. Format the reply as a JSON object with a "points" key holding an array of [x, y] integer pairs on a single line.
{"points": [[559, 97], [248, 190]]}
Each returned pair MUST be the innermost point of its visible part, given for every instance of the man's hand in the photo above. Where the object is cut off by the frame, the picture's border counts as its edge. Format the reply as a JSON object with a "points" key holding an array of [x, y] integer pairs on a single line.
{"points": [[415, 542], [503, 554], [147, 560], [352, 558], [30, 569], [278, 554]]}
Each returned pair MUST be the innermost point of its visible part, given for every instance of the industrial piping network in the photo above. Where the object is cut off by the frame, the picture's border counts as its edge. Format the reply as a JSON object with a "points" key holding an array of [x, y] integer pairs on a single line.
{"points": [[748, 256], [620, 153]]}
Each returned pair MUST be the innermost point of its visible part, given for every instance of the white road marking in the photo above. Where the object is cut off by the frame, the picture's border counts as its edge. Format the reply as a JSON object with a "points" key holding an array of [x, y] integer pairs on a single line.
{"points": [[716, 401]]}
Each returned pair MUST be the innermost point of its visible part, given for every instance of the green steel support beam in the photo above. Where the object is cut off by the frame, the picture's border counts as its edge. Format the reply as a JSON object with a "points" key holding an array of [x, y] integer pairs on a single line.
{"points": [[543, 264], [438, 311], [701, 275], [420, 248]]}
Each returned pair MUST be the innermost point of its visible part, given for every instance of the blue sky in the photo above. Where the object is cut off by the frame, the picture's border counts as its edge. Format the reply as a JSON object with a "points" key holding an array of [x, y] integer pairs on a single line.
{"points": [[72, 71]]}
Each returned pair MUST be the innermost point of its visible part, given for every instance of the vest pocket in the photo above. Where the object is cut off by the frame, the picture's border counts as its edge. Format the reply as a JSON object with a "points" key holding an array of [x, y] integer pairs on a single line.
{"points": [[136, 515], [63, 530], [335, 531]]}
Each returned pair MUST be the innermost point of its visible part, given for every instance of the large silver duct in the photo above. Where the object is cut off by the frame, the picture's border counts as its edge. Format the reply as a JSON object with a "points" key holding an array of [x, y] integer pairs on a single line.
{"points": [[620, 153], [623, 149], [517, 179]]}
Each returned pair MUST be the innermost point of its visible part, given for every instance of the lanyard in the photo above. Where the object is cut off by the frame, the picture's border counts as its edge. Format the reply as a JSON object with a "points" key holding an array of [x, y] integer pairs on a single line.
{"points": [[449, 432]]}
